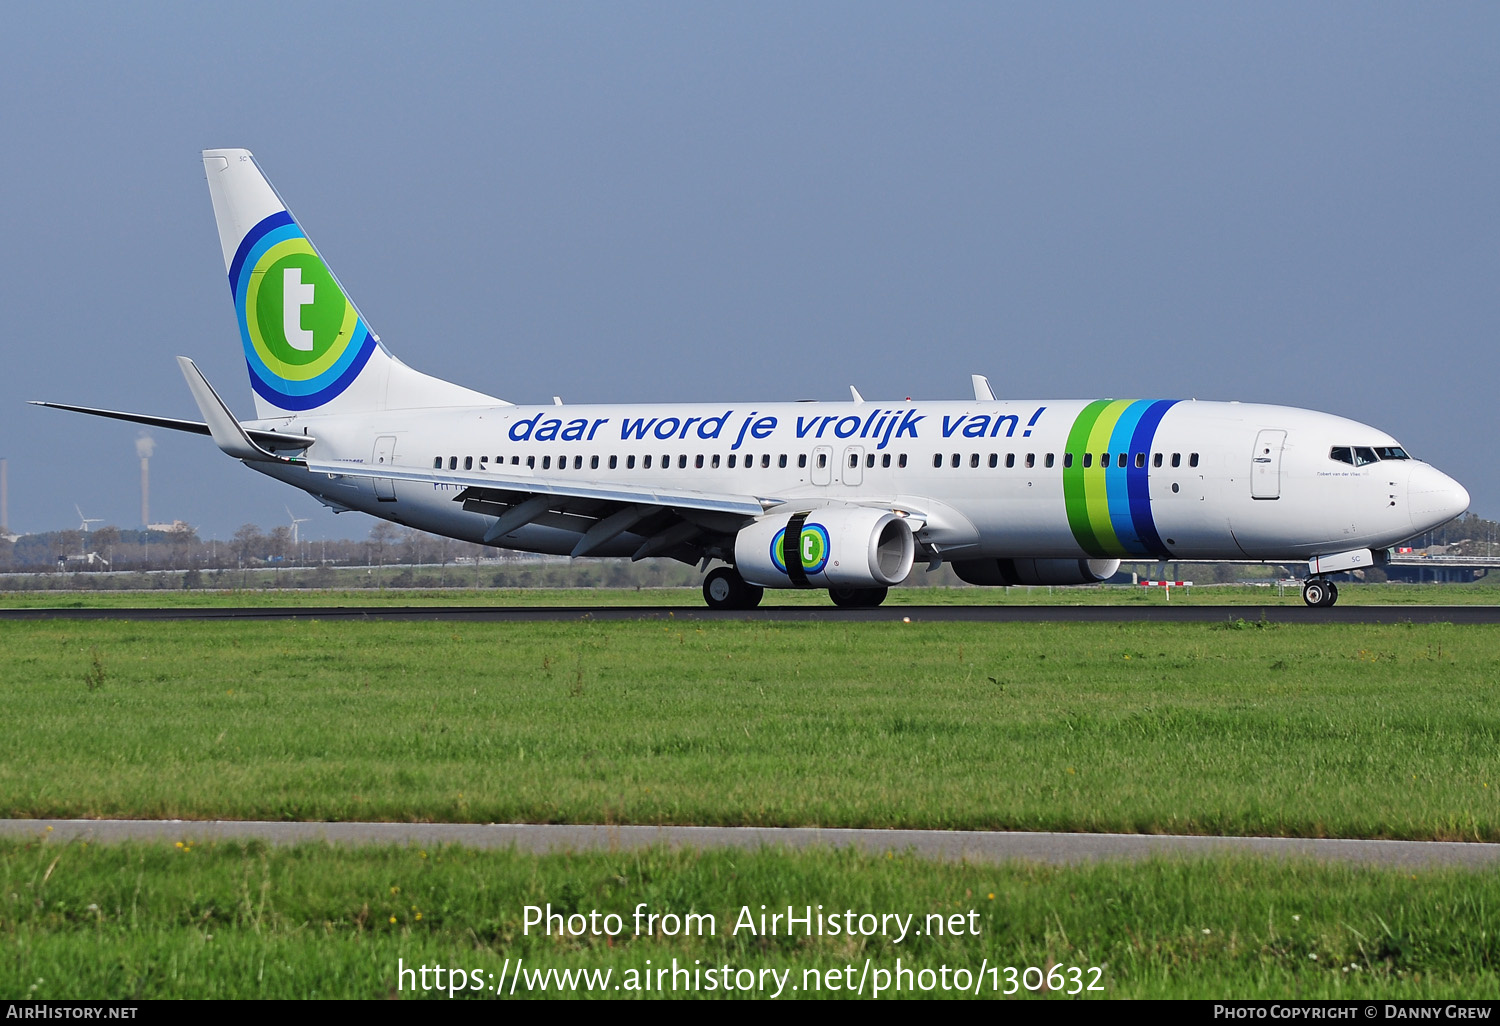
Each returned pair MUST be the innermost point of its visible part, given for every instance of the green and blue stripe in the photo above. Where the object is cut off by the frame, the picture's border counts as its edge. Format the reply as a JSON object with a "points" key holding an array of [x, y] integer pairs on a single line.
{"points": [[1109, 507]]}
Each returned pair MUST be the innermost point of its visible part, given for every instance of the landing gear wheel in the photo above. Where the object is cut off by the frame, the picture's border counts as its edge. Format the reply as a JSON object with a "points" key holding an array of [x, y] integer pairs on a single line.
{"points": [[858, 598], [724, 588], [1319, 594]]}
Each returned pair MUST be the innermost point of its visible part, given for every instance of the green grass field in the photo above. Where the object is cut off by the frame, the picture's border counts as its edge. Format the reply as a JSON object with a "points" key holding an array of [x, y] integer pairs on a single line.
{"points": [[230, 921], [1386, 731], [1336, 730]]}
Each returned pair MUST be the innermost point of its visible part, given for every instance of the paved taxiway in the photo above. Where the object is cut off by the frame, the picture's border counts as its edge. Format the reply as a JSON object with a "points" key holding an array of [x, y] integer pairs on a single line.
{"points": [[1163, 613], [949, 845]]}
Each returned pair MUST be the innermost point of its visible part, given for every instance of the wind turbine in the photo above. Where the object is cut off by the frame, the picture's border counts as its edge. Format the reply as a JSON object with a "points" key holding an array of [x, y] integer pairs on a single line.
{"points": [[295, 521], [85, 521], [296, 540]]}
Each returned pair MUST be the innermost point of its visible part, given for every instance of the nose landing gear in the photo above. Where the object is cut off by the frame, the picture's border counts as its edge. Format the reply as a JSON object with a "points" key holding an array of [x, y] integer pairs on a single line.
{"points": [[1320, 594]]}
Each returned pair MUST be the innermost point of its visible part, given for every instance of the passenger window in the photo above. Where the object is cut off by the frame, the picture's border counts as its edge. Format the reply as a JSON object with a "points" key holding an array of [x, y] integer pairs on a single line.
{"points": [[715, 461], [614, 463], [1049, 459], [1124, 458], [994, 459], [437, 463], [901, 460], [781, 460], [765, 460], [1193, 460], [593, 463], [531, 462], [698, 461], [682, 462], [937, 459], [1030, 460], [853, 460], [801, 460], [1140, 460], [646, 462], [1177, 459], [956, 460], [870, 460], [1010, 460], [1067, 461], [546, 462], [1363, 455], [1156, 460], [468, 463], [823, 460], [1088, 460], [452, 462], [482, 461], [515, 461], [885, 461], [630, 462], [974, 460], [731, 461]]}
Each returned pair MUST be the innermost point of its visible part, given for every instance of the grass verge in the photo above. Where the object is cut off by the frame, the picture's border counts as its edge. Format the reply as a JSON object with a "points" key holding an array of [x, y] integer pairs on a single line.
{"points": [[1235, 728], [237, 921]]}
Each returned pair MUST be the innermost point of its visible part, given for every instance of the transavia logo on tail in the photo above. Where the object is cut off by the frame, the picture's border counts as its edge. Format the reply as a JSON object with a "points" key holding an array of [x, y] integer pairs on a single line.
{"points": [[303, 340], [813, 548]]}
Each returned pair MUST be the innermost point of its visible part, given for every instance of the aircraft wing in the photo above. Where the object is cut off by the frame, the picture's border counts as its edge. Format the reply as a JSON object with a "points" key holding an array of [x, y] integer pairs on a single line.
{"points": [[684, 524], [587, 490]]}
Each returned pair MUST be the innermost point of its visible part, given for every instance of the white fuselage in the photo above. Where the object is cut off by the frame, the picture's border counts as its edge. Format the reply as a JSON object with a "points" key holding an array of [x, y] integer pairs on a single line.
{"points": [[988, 479]]}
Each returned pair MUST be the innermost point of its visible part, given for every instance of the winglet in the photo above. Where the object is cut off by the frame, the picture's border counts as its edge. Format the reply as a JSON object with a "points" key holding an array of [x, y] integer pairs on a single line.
{"points": [[226, 431], [854, 392], [982, 391]]}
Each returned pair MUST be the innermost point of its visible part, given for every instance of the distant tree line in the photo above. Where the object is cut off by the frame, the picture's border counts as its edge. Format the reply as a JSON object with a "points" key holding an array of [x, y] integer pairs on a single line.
{"points": [[407, 558]]}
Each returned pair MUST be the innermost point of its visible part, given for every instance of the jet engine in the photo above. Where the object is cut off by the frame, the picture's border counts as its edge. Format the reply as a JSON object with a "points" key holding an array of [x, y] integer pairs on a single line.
{"points": [[1001, 572], [830, 547]]}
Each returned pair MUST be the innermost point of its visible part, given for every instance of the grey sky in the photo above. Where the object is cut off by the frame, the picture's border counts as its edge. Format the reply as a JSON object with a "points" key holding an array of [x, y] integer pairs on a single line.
{"points": [[1281, 203]]}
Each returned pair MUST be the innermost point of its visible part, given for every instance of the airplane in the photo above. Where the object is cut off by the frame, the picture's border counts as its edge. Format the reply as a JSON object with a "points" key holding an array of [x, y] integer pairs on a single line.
{"points": [[843, 496]]}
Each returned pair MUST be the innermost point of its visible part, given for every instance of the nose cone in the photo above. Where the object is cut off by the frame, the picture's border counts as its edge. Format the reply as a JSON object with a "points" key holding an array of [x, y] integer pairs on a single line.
{"points": [[1434, 497]]}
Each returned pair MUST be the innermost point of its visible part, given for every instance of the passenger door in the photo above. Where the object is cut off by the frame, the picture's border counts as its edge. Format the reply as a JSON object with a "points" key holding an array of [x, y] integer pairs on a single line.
{"points": [[385, 452], [1265, 465]]}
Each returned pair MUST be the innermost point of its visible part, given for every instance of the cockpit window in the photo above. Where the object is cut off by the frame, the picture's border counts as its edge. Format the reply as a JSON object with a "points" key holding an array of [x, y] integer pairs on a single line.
{"points": [[1391, 452], [1341, 453], [1364, 456]]}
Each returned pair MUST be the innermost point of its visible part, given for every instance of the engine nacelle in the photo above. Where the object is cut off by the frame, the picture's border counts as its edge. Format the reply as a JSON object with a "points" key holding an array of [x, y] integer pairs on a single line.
{"points": [[832, 547], [1009, 572]]}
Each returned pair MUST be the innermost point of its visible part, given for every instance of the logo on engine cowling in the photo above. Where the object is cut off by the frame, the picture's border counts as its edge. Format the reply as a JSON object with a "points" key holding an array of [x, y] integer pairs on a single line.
{"points": [[812, 547]]}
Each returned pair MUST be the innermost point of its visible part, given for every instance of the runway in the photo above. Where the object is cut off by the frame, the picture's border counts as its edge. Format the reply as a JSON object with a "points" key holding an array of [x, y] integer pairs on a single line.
{"points": [[944, 845], [1182, 613]]}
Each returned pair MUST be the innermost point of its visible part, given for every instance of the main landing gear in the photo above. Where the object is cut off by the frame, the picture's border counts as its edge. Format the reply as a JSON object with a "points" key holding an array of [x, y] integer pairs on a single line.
{"points": [[724, 588], [1320, 594], [857, 598]]}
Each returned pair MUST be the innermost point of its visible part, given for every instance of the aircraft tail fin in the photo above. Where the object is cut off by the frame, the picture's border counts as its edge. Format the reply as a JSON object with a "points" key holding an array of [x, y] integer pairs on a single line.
{"points": [[306, 345]]}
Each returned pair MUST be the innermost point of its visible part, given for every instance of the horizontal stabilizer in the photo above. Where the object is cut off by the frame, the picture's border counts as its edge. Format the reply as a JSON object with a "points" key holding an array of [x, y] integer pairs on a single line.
{"points": [[270, 439]]}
